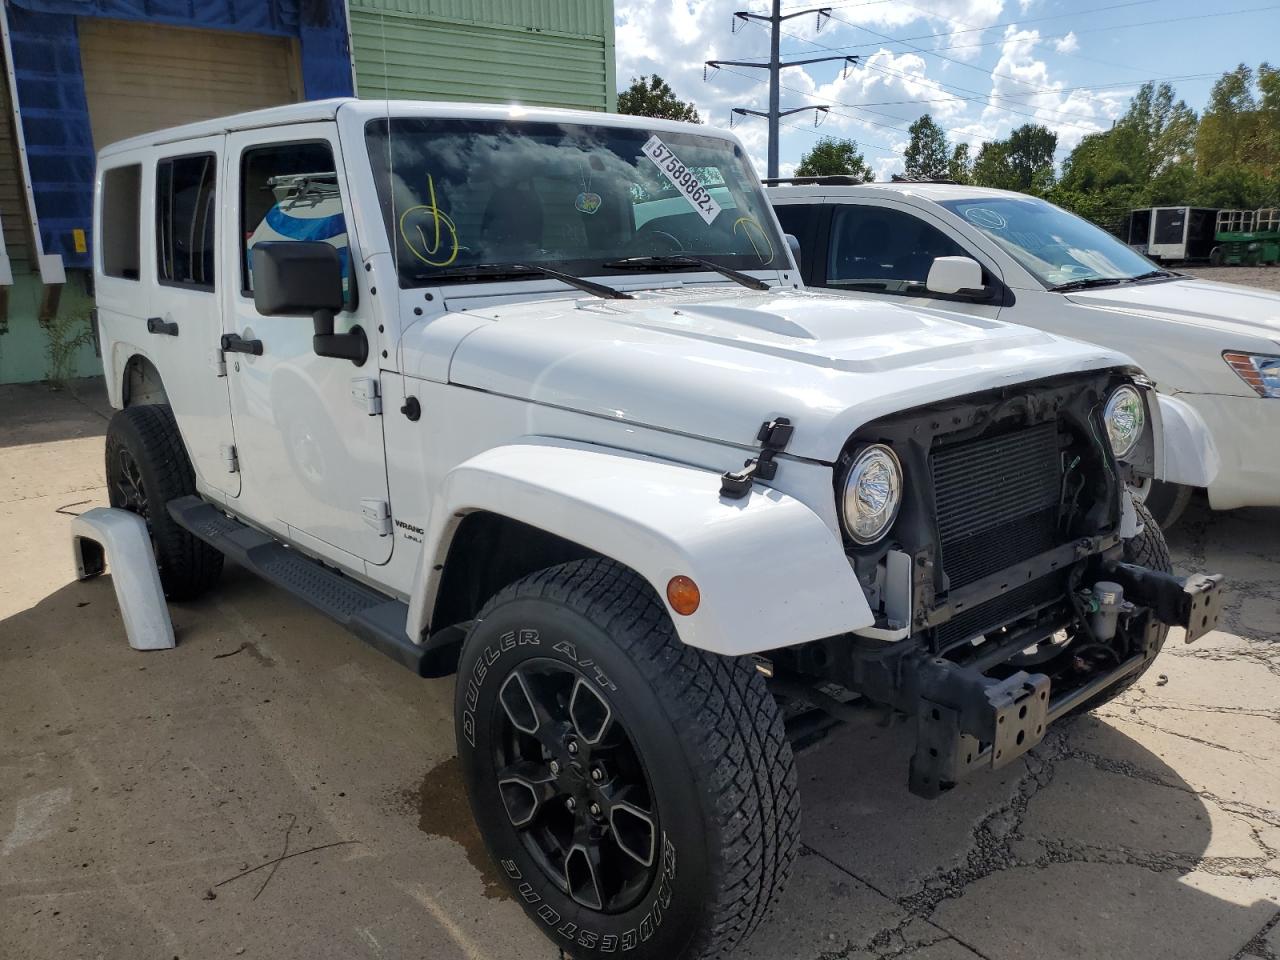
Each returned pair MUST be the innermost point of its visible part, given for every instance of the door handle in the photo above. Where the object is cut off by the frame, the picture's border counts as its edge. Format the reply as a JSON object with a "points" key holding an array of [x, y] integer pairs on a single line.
{"points": [[165, 327], [234, 343]]}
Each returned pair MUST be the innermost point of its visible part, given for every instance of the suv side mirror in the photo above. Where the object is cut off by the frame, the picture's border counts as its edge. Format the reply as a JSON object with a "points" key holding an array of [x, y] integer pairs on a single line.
{"points": [[955, 275], [297, 277], [794, 246]]}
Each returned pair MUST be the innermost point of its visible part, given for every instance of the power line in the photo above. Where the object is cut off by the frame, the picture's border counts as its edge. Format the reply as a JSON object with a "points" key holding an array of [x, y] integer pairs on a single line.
{"points": [[775, 66], [1055, 36]]}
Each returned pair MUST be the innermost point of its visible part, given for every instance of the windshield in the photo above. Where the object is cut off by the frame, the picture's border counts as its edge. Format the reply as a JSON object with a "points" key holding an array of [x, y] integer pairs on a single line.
{"points": [[459, 193], [1056, 246]]}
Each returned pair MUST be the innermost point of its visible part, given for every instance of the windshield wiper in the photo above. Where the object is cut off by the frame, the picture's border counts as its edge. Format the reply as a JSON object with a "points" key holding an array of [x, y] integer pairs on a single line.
{"points": [[517, 271], [1089, 283], [1156, 275], [681, 260]]}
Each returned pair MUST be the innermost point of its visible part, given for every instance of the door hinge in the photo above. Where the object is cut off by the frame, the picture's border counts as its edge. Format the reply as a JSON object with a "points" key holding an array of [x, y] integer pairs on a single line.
{"points": [[365, 392], [377, 515], [230, 457], [218, 360]]}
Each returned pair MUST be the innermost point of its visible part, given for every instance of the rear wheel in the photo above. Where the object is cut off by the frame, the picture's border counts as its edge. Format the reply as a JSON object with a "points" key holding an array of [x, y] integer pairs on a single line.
{"points": [[1215, 257], [639, 795], [147, 466]]}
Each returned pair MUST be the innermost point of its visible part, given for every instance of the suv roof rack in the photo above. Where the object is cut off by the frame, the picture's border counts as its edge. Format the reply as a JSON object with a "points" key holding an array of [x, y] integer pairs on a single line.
{"points": [[901, 178], [842, 180]]}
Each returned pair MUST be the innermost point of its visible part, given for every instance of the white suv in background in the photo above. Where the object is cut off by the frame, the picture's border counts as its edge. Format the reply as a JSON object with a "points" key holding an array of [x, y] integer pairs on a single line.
{"points": [[995, 253]]}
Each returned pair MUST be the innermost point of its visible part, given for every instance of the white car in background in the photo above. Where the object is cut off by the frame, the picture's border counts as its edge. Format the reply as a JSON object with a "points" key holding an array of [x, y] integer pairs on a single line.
{"points": [[995, 253]]}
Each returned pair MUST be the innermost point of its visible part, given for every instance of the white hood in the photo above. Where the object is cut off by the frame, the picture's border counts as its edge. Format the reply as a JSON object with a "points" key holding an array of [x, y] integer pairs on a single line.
{"points": [[1224, 307], [717, 363]]}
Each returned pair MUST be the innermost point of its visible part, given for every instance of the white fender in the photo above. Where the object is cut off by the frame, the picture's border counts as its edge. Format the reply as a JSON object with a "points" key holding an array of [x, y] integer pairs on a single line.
{"points": [[770, 572], [1190, 455]]}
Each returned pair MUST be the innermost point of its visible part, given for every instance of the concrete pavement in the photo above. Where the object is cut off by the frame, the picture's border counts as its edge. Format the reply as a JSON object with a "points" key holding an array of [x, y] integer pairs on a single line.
{"points": [[139, 792]]}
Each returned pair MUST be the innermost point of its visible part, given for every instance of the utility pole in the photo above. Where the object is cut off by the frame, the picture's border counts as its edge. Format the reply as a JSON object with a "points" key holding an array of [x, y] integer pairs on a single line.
{"points": [[775, 66]]}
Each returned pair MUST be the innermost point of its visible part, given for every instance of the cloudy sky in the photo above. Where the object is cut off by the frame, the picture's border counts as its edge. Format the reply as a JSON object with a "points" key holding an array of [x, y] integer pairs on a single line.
{"points": [[981, 67]]}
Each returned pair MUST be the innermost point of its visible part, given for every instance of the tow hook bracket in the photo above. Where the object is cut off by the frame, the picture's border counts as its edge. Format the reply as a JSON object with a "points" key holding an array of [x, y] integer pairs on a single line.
{"points": [[992, 726], [1021, 707], [1194, 603], [774, 435]]}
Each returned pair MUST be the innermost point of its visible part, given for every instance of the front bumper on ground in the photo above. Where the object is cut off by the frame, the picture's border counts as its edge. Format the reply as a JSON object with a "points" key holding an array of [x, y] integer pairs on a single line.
{"points": [[1246, 431], [967, 720]]}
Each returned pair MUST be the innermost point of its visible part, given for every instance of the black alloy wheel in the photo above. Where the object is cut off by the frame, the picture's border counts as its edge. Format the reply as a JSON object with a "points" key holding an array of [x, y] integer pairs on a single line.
{"points": [[574, 786]]}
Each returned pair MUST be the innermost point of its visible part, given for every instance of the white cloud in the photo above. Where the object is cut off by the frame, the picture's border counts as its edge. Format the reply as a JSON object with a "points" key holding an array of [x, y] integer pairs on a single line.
{"points": [[1067, 44], [1021, 82]]}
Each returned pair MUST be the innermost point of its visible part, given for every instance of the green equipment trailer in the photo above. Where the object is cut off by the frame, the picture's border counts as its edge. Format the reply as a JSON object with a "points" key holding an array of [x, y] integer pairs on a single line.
{"points": [[1248, 238]]}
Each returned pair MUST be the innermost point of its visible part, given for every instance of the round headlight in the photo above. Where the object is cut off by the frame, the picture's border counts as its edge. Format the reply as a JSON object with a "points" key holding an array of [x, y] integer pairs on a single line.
{"points": [[1126, 417], [872, 494]]}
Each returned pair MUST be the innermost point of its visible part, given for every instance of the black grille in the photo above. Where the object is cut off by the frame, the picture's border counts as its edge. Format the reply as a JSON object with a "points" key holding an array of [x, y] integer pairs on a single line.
{"points": [[996, 501], [997, 612]]}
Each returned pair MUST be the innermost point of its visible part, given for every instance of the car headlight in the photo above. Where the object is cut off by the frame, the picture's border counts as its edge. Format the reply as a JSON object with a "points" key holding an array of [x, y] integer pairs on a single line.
{"points": [[872, 494], [1126, 418], [1257, 370]]}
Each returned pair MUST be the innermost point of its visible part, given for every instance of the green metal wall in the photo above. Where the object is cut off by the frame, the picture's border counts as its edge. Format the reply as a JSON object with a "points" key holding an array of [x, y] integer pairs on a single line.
{"points": [[555, 53]]}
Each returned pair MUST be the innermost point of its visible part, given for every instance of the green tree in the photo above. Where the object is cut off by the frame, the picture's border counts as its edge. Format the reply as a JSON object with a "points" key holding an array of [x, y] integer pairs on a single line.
{"points": [[1229, 127], [1023, 161], [651, 96], [960, 166], [926, 155], [831, 156]]}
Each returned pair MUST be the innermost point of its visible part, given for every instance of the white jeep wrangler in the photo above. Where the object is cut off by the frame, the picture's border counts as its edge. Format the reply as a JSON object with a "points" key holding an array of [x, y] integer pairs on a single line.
{"points": [[480, 382]]}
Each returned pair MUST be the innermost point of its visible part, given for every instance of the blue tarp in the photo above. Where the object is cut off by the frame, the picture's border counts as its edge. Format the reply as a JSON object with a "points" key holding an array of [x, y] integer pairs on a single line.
{"points": [[55, 114]]}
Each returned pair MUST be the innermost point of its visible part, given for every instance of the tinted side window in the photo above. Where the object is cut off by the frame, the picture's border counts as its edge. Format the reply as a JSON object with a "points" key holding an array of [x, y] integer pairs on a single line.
{"points": [[290, 191], [798, 219], [877, 248], [186, 212], [121, 198]]}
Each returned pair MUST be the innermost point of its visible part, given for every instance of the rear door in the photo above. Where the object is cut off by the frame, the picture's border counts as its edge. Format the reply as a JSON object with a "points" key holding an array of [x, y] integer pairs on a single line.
{"points": [[184, 322], [309, 441]]}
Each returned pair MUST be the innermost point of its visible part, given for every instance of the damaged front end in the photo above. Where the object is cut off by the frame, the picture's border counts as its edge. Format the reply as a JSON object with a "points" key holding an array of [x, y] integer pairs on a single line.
{"points": [[1017, 583]]}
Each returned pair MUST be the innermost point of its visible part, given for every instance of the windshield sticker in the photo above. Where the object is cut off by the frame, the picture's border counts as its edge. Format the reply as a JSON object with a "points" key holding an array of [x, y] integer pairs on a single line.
{"points": [[986, 218], [682, 178], [752, 229], [424, 229], [587, 202]]}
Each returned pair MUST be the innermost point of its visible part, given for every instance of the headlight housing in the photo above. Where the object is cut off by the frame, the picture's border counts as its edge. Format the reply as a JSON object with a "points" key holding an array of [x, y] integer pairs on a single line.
{"points": [[1259, 371], [1126, 418], [872, 494]]}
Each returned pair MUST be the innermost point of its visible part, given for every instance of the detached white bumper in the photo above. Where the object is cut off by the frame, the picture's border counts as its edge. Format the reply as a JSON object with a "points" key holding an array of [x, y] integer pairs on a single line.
{"points": [[1246, 431]]}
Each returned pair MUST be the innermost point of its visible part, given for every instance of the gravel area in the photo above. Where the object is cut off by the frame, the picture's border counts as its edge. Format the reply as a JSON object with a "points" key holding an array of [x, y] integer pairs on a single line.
{"points": [[1268, 278]]}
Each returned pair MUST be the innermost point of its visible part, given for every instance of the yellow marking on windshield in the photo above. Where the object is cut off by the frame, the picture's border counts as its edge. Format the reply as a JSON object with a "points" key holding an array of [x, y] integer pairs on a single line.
{"points": [[425, 249], [747, 223]]}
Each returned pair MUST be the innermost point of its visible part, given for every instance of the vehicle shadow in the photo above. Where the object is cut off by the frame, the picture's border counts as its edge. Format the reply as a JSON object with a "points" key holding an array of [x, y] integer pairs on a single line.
{"points": [[1092, 845], [1089, 846]]}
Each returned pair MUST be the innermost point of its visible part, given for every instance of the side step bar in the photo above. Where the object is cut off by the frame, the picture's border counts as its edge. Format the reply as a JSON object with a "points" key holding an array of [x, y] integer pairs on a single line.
{"points": [[376, 619]]}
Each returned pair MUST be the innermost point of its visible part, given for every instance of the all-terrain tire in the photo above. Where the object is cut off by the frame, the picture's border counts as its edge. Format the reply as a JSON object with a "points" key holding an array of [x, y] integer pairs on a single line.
{"points": [[146, 467], [1147, 549], [1166, 502], [708, 735]]}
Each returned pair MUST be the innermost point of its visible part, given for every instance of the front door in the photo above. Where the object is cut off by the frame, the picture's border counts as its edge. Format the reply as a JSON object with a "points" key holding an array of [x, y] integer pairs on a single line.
{"points": [[882, 250], [309, 445]]}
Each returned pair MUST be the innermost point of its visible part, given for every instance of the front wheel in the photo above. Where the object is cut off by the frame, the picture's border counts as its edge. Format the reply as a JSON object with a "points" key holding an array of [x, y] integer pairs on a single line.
{"points": [[638, 795]]}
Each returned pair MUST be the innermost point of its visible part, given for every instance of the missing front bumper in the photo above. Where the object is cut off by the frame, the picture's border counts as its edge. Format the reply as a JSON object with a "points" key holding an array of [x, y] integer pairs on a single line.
{"points": [[966, 720]]}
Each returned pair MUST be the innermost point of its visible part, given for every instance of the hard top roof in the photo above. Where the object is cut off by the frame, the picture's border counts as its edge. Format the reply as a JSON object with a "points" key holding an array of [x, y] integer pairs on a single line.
{"points": [[319, 110]]}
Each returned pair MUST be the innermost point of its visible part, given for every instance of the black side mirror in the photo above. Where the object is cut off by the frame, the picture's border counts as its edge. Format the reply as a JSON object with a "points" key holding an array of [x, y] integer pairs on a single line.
{"points": [[293, 278], [794, 246]]}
